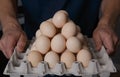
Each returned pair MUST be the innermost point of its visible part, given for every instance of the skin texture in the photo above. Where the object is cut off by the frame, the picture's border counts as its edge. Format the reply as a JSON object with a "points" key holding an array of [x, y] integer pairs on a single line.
{"points": [[14, 37], [104, 34]]}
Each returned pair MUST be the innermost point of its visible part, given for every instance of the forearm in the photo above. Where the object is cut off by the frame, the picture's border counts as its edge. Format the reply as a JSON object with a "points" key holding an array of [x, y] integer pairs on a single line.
{"points": [[110, 10], [8, 14]]}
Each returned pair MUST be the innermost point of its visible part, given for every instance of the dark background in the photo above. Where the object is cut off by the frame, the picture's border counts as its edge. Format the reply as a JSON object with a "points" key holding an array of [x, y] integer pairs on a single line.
{"points": [[115, 57]]}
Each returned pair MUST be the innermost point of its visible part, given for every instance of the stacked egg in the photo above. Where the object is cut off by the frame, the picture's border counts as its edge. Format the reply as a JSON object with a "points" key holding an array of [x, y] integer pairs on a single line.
{"points": [[59, 39]]}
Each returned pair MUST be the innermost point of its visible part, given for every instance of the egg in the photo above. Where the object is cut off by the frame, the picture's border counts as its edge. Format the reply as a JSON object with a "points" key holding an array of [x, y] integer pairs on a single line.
{"points": [[42, 44], [58, 43], [69, 29], [48, 29], [85, 41], [73, 44], [33, 48], [78, 28], [34, 57], [38, 33], [85, 47], [50, 20], [80, 36], [68, 58], [51, 58], [60, 18], [84, 56]]}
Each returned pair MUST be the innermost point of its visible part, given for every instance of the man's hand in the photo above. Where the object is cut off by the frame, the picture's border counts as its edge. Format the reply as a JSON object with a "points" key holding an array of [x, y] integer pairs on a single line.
{"points": [[105, 35], [11, 38]]}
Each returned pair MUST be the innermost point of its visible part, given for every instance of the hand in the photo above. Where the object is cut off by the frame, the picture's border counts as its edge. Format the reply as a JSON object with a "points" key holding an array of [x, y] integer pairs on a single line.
{"points": [[105, 35], [11, 38]]}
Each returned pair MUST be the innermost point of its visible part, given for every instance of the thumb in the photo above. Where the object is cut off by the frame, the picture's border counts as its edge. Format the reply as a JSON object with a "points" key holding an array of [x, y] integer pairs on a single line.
{"points": [[98, 42], [21, 43]]}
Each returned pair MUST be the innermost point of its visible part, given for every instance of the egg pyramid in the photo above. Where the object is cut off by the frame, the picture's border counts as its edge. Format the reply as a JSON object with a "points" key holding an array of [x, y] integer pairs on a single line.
{"points": [[59, 39]]}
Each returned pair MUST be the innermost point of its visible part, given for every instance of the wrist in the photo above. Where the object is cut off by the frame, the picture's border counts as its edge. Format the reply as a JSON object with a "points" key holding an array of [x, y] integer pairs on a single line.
{"points": [[107, 21], [9, 22]]}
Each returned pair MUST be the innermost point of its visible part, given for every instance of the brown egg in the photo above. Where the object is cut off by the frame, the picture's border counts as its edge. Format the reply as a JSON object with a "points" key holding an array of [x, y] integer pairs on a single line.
{"points": [[84, 56], [34, 57], [58, 43], [73, 44], [78, 28], [69, 29], [85, 47], [33, 48], [60, 18], [42, 44], [48, 29], [80, 36], [38, 33], [50, 20], [68, 58], [52, 58]]}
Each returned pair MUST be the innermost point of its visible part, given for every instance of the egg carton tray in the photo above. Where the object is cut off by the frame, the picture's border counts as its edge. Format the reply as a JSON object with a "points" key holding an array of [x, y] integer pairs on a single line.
{"points": [[101, 65]]}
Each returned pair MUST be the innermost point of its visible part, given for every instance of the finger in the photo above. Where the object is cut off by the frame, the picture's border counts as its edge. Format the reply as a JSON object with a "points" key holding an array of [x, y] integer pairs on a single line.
{"points": [[21, 43], [10, 47], [1, 48], [98, 42], [115, 40], [108, 43]]}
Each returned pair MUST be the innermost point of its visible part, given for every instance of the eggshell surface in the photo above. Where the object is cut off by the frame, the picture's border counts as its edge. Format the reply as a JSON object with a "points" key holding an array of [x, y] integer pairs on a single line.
{"points": [[68, 58], [69, 29], [78, 28], [84, 56], [34, 57], [73, 44], [60, 18], [58, 43], [42, 44], [80, 36], [48, 29], [52, 58], [38, 33]]}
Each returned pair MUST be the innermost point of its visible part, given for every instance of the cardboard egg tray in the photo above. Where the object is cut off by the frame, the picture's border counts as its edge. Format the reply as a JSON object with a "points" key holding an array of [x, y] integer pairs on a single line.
{"points": [[100, 66]]}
